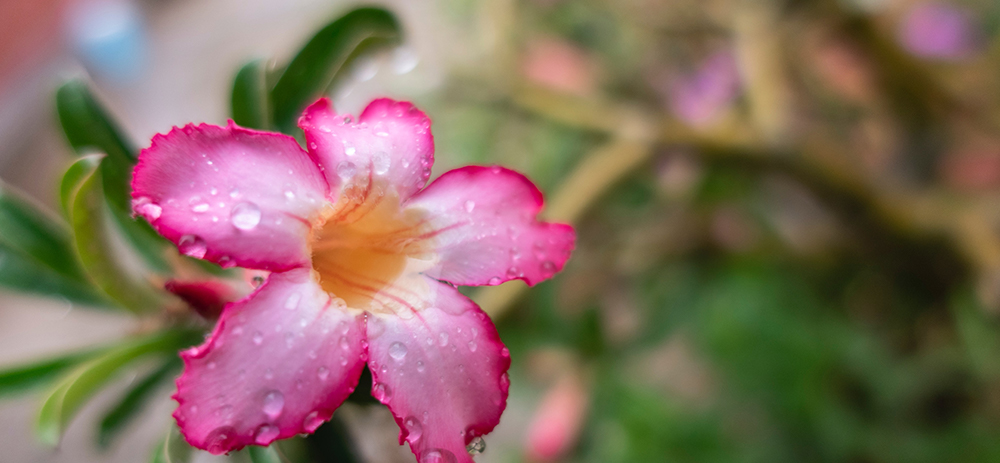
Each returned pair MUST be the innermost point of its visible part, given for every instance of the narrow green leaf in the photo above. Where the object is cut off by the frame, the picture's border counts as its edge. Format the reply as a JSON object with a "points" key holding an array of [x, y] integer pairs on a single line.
{"points": [[95, 244], [130, 406], [88, 127], [172, 449], [85, 380], [22, 378], [74, 176], [322, 61], [264, 455], [250, 105], [27, 227], [22, 272]]}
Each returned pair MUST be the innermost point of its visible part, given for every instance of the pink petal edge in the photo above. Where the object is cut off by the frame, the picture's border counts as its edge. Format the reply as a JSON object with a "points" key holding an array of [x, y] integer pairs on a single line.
{"points": [[487, 228], [391, 141], [442, 373], [235, 196], [277, 364]]}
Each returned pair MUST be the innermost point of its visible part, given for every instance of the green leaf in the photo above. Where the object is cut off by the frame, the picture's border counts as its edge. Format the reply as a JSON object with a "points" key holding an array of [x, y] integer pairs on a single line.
{"points": [[87, 379], [250, 104], [21, 378], [130, 406], [322, 61], [264, 455], [95, 244], [87, 125], [172, 449], [30, 229], [22, 272], [88, 128], [74, 176]]}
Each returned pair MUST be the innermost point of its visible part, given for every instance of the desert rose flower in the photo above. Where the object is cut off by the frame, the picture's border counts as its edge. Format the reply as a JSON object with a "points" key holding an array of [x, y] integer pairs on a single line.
{"points": [[938, 31], [363, 260]]}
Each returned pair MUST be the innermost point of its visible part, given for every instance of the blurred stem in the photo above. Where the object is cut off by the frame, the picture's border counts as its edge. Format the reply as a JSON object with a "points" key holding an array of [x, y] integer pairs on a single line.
{"points": [[759, 52]]}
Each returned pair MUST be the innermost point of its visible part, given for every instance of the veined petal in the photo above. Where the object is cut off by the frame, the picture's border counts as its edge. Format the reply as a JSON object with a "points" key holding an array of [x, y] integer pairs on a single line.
{"points": [[278, 364], [230, 195], [486, 228], [389, 147], [442, 373]]}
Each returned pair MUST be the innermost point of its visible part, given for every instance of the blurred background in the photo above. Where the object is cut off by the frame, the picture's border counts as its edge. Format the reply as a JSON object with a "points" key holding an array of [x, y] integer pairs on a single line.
{"points": [[788, 210]]}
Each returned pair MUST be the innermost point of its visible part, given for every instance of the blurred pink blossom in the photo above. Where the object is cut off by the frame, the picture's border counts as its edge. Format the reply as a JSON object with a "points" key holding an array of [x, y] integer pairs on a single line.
{"points": [[556, 425], [700, 97], [938, 31], [559, 65]]}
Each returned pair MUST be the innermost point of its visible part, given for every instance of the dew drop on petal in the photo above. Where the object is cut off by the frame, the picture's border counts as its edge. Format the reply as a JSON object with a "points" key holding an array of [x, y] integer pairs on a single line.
{"points": [[200, 207], [477, 446], [443, 339], [257, 281], [397, 350], [513, 272], [420, 367], [220, 439], [193, 246], [470, 205], [437, 456], [322, 373], [265, 434], [381, 163], [381, 392], [258, 337], [289, 195], [312, 421], [473, 346], [494, 281], [346, 170], [245, 216], [292, 302], [235, 193], [268, 374], [413, 429], [274, 404], [349, 150], [345, 343]]}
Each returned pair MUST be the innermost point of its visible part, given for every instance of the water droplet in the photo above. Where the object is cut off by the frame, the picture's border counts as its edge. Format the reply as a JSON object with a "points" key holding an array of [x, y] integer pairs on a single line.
{"points": [[443, 339], [289, 195], [345, 343], [268, 374], [397, 350], [193, 246], [338, 303], [504, 381], [477, 446], [349, 150], [220, 440], [346, 170], [312, 421], [348, 119], [473, 346], [494, 281], [265, 434], [200, 207], [274, 404], [147, 208], [214, 191], [548, 268], [413, 429], [381, 392], [513, 272], [322, 373], [236, 331], [211, 365], [437, 456], [245, 216], [258, 337], [235, 193], [420, 367], [257, 281], [292, 302], [470, 205], [381, 163]]}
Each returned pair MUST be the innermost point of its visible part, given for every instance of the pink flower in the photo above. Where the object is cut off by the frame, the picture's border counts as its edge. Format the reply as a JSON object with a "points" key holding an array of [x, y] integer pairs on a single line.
{"points": [[939, 31], [363, 260], [700, 98]]}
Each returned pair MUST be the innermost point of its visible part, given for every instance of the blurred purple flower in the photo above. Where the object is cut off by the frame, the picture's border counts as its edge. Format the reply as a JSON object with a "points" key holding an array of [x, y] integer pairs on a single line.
{"points": [[699, 97], [938, 31]]}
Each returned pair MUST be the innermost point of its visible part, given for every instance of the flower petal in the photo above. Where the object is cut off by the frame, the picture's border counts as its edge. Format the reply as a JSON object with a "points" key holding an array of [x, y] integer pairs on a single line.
{"points": [[231, 195], [486, 228], [390, 147], [278, 364], [442, 373]]}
